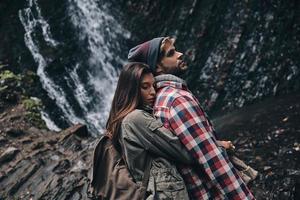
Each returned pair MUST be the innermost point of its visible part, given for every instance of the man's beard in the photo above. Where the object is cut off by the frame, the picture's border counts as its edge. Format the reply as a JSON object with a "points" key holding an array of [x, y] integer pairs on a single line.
{"points": [[177, 71]]}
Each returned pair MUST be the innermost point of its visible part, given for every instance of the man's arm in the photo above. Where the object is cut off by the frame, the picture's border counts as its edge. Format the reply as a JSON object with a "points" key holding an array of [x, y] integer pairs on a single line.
{"points": [[189, 123]]}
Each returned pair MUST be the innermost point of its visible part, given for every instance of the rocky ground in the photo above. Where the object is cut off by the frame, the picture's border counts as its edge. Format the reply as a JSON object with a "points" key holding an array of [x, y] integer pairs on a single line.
{"points": [[36, 163], [41, 164], [267, 136]]}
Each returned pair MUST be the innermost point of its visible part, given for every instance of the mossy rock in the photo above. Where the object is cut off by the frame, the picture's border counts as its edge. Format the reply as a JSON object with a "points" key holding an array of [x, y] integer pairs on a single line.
{"points": [[12, 81], [33, 108], [3, 89], [32, 104], [35, 118], [10, 88], [8, 75]]}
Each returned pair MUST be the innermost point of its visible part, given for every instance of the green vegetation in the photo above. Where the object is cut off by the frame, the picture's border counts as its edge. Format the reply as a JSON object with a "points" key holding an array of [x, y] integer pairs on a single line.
{"points": [[15, 88], [9, 87], [33, 108], [8, 75]]}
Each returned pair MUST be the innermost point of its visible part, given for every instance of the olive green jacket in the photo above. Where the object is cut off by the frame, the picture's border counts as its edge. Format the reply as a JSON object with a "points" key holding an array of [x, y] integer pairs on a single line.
{"points": [[143, 137]]}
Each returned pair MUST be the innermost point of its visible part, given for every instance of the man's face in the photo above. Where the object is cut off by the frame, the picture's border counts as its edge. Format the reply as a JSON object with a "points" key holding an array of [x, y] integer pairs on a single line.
{"points": [[171, 62]]}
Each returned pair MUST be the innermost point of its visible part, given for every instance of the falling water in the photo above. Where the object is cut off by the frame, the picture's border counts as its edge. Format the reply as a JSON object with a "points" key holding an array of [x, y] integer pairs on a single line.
{"points": [[31, 23], [84, 90]]}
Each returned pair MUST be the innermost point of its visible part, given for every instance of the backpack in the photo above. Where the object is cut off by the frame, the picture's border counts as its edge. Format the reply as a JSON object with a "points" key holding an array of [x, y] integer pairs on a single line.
{"points": [[111, 178]]}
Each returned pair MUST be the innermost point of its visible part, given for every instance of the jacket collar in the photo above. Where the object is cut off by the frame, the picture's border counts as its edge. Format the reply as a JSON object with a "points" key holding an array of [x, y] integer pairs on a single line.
{"points": [[170, 80], [147, 108]]}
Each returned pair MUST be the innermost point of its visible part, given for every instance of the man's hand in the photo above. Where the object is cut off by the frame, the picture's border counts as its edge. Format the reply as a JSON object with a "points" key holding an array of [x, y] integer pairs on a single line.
{"points": [[226, 144]]}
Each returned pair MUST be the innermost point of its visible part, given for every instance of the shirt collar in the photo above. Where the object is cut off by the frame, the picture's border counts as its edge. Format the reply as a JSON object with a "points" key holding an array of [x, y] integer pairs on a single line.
{"points": [[169, 80]]}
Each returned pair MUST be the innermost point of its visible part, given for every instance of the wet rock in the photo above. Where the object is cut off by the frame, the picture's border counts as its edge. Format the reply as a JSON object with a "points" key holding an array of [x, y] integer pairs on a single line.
{"points": [[51, 164], [37, 145], [8, 154], [25, 176], [292, 172], [72, 143], [80, 166], [296, 146], [267, 168], [62, 166], [12, 132], [80, 130], [2, 140], [26, 141]]}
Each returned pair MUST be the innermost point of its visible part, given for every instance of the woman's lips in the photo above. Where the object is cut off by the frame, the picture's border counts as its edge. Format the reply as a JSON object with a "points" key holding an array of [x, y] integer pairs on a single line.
{"points": [[151, 101]]}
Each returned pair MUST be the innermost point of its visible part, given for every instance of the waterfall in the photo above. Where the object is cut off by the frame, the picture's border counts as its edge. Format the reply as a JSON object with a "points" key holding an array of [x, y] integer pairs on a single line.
{"points": [[31, 22], [85, 87], [102, 32]]}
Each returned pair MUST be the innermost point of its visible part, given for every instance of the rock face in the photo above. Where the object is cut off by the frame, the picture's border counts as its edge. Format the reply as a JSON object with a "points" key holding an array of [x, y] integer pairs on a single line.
{"points": [[42, 164], [238, 51]]}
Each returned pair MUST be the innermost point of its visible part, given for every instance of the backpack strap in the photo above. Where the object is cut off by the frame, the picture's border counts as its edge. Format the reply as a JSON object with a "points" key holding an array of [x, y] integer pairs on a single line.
{"points": [[147, 173]]}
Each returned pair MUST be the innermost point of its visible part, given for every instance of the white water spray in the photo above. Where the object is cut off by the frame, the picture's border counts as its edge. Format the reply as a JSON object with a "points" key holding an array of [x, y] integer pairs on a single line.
{"points": [[31, 23]]}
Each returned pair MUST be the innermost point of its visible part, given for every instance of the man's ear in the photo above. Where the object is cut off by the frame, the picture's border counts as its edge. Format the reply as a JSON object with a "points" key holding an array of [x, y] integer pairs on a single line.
{"points": [[158, 69]]}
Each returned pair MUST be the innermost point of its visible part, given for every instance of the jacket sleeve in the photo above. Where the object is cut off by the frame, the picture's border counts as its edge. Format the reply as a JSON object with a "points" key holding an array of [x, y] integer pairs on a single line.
{"points": [[146, 131], [189, 123]]}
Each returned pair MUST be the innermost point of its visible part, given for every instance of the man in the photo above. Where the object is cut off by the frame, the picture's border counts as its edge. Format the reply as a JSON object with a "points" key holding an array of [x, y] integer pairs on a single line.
{"points": [[213, 176]]}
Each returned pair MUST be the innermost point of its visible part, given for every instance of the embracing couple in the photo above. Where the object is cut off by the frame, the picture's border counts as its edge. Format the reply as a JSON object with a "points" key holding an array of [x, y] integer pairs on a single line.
{"points": [[159, 126]]}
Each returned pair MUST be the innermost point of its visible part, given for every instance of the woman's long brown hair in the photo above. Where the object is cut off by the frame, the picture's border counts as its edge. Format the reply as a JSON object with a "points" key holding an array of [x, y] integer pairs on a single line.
{"points": [[127, 97]]}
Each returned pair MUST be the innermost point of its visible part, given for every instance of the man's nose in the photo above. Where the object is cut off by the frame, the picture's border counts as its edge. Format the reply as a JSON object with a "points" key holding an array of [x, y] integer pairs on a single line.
{"points": [[179, 55]]}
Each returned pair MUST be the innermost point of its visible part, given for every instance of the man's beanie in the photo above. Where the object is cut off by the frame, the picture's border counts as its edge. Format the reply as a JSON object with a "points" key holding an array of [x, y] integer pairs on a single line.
{"points": [[146, 52]]}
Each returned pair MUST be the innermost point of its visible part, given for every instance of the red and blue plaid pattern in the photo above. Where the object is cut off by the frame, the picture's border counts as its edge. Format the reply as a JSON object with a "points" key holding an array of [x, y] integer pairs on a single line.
{"points": [[213, 176]]}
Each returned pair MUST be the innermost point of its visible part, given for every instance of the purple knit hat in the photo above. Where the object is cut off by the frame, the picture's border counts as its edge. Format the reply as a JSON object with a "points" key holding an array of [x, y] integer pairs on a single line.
{"points": [[146, 52]]}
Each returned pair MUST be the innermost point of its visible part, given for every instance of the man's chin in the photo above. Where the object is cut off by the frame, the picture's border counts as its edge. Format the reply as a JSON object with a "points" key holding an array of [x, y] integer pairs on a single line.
{"points": [[177, 71], [181, 70]]}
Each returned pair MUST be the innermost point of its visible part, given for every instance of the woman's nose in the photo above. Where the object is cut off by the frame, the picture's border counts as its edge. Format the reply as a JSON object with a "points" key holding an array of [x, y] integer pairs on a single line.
{"points": [[152, 91]]}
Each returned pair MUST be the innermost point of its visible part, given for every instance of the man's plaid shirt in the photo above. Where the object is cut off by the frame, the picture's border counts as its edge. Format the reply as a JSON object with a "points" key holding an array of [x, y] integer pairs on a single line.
{"points": [[213, 176]]}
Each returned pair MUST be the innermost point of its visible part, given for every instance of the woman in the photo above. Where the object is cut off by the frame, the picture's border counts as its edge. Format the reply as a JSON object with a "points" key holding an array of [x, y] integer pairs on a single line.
{"points": [[142, 139]]}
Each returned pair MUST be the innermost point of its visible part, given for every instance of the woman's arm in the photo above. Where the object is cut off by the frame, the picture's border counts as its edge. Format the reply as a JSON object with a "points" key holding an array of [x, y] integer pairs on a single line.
{"points": [[144, 130]]}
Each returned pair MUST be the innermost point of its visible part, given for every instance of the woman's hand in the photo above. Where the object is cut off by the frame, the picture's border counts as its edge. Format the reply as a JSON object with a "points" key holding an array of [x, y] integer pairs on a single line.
{"points": [[226, 144]]}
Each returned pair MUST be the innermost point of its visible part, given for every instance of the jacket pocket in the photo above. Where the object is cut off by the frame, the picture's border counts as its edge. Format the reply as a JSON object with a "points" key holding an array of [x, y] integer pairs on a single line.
{"points": [[155, 124], [168, 182], [172, 190], [171, 186], [168, 179]]}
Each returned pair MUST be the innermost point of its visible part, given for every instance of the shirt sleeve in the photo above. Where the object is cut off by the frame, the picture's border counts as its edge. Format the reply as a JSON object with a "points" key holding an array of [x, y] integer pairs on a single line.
{"points": [[189, 123]]}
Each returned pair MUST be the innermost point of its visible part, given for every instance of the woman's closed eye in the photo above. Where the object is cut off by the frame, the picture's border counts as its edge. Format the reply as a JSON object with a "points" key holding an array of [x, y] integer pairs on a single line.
{"points": [[146, 86]]}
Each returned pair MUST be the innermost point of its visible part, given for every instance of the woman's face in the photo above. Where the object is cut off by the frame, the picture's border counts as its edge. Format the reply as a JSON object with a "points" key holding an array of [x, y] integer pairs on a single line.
{"points": [[147, 89]]}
